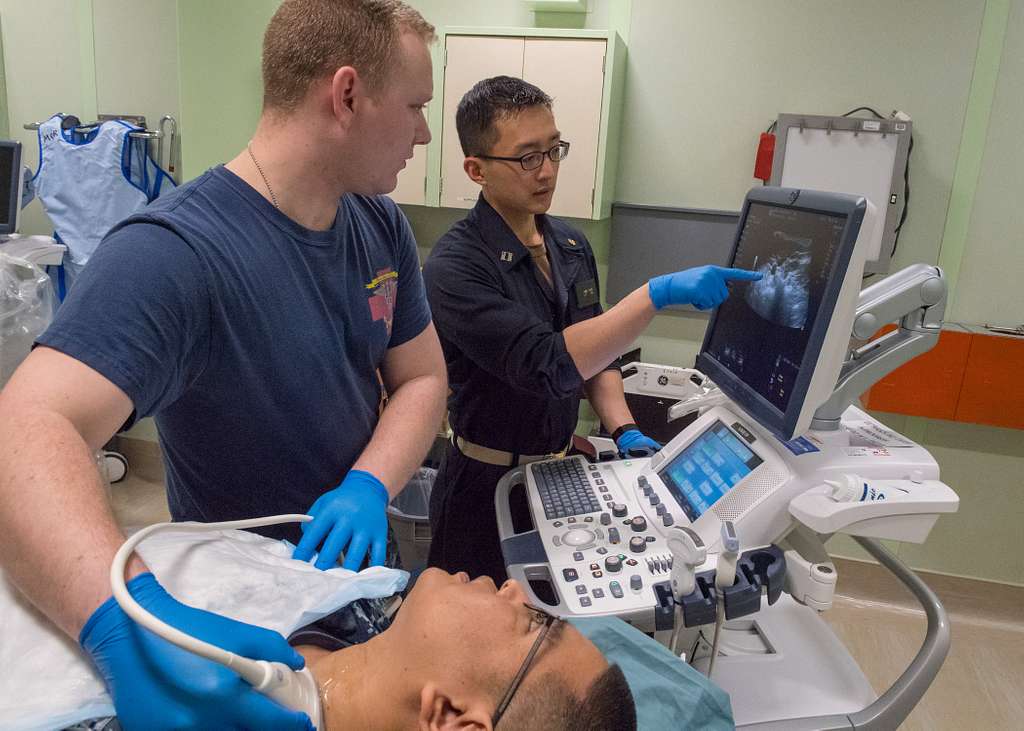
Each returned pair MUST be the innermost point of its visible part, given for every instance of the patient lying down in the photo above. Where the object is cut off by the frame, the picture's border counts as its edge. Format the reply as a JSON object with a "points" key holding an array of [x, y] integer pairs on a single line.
{"points": [[454, 651]]}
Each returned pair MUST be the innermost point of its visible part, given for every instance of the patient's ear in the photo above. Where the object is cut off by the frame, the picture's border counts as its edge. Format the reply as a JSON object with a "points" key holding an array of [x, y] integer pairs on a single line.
{"points": [[440, 712]]}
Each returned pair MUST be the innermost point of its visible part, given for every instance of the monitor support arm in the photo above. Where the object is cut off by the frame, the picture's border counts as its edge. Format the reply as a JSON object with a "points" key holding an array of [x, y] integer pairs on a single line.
{"points": [[916, 296]]}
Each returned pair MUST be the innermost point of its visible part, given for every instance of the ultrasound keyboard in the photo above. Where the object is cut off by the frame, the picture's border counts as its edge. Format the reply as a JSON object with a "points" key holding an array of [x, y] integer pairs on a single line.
{"points": [[564, 490]]}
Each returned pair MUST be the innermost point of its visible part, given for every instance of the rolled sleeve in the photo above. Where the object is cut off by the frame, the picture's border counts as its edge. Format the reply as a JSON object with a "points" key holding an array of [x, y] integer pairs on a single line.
{"points": [[412, 312]]}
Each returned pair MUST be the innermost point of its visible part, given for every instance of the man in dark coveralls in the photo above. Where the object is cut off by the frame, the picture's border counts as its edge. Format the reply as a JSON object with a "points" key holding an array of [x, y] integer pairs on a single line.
{"points": [[515, 299]]}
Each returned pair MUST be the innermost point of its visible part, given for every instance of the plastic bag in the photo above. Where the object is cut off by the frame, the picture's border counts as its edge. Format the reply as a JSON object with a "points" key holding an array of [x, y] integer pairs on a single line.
{"points": [[413, 502], [26, 310]]}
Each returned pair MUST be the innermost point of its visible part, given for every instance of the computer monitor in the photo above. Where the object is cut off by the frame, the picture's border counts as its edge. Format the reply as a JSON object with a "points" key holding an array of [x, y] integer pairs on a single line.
{"points": [[775, 346], [10, 186]]}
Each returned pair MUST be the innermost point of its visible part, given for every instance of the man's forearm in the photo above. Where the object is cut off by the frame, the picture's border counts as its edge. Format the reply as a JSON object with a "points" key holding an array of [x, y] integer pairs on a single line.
{"points": [[57, 532], [406, 430], [596, 342], [604, 391]]}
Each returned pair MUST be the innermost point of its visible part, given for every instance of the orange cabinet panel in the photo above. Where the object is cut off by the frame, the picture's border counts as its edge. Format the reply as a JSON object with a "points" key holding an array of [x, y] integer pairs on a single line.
{"points": [[929, 385], [993, 387]]}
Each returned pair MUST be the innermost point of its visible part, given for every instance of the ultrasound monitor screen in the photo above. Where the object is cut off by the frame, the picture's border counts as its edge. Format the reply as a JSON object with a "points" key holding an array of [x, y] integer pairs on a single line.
{"points": [[8, 202], [762, 331]]}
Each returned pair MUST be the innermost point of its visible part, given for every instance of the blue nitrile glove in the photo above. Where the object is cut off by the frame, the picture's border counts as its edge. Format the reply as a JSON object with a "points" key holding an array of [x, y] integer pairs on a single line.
{"points": [[703, 287], [354, 515], [634, 439], [157, 685]]}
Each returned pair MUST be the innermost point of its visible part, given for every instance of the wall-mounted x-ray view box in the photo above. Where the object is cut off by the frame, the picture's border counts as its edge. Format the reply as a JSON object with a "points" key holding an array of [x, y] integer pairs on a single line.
{"points": [[852, 155]]}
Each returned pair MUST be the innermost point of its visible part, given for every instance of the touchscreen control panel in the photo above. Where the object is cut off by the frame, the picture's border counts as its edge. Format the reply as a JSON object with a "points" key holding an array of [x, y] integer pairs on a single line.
{"points": [[703, 472]]}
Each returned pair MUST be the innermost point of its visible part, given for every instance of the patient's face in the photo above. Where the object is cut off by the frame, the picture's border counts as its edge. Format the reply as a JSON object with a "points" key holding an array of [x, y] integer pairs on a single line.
{"points": [[487, 632]]}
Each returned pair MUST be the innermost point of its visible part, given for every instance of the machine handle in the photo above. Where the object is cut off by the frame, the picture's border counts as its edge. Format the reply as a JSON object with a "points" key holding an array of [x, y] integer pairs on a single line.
{"points": [[515, 476], [520, 572], [523, 543]]}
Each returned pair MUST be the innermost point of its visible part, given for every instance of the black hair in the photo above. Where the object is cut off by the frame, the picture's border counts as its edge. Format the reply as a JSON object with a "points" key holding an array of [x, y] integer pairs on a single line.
{"points": [[488, 101], [548, 703]]}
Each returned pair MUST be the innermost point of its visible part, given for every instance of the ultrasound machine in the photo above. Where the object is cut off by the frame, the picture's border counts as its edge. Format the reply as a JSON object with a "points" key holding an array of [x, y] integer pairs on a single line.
{"points": [[721, 534]]}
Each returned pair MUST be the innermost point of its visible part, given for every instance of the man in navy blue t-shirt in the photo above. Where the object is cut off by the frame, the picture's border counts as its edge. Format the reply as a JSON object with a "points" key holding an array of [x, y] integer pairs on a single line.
{"points": [[260, 313]]}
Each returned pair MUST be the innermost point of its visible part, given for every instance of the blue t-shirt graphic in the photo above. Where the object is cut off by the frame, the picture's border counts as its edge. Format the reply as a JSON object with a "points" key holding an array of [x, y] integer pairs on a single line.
{"points": [[253, 341]]}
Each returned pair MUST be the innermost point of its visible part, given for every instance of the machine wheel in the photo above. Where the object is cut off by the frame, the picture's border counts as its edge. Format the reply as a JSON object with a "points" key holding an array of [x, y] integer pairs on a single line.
{"points": [[116, 465]]}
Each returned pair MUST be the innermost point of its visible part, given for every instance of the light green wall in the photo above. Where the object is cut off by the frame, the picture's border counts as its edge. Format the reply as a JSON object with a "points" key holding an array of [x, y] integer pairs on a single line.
{"points": [[136, 57], [972, 145], [989, 287], [221, 90], [706, 78]]}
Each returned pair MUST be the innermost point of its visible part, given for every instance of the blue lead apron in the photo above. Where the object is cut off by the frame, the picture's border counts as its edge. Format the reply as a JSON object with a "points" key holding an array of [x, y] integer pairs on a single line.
{"points": [[89, 182]]}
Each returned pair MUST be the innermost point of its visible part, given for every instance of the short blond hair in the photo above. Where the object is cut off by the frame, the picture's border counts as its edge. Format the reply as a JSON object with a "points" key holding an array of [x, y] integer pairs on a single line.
{"points": [[308, 39]]}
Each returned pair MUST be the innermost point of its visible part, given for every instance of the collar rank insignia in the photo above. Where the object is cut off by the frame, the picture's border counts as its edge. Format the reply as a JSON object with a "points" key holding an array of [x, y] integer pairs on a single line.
{"points": [[506, 256]]}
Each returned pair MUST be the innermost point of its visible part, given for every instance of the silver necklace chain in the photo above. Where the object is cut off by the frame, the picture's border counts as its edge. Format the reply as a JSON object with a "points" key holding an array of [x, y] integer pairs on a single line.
{"points": [[273, 198]]}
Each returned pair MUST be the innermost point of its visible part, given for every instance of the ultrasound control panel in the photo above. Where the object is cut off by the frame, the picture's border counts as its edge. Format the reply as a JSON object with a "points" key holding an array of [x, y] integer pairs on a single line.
{"points": [[602, 551], [596, 543]]}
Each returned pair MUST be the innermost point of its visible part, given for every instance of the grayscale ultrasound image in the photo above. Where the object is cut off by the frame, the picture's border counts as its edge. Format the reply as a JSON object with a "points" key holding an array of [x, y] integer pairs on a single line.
{"points": [[783, 294], [760, 335]]}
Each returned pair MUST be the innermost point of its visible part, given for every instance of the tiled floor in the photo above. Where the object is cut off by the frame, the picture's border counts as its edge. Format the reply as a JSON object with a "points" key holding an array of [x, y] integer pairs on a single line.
{"points": [[139, 502], [140, 499], [980, 686]]}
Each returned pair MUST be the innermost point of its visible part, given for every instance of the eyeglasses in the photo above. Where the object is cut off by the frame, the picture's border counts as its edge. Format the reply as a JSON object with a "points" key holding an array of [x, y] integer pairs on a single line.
{"points": [[548, 620], [533, 160]]}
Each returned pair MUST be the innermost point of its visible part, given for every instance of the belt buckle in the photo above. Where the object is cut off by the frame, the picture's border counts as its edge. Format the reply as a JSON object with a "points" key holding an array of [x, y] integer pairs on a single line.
{"points": [[558, 455]]}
